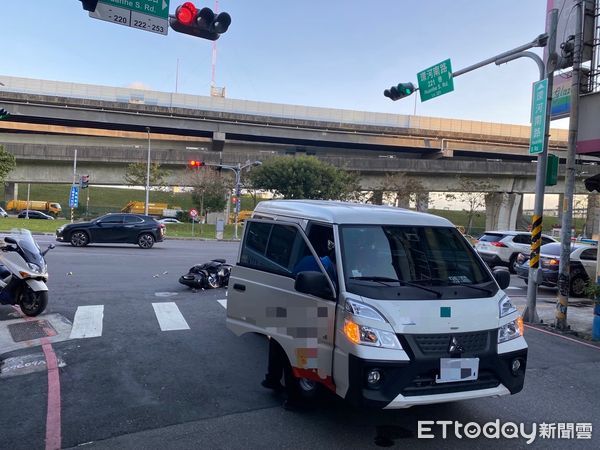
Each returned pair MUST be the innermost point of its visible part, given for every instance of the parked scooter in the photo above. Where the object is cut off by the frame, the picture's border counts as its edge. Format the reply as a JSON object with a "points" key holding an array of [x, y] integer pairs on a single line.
{"points": [[23, 273], [213, 274]]}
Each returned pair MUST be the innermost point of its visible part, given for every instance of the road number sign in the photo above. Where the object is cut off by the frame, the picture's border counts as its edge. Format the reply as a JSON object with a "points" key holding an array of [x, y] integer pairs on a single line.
{"points": [[148, 15], [435, 80]]}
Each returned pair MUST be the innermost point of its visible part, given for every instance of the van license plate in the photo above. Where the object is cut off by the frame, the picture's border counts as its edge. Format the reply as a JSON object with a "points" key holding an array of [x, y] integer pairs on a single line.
{"points": [[457, 369]]}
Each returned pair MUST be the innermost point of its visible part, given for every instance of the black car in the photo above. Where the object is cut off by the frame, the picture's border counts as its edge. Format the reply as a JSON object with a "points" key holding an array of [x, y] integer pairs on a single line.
{"points": [[113, 228], [34, 215]]}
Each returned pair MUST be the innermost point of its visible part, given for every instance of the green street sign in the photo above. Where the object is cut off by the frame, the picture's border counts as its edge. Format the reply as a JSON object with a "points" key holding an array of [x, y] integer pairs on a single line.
{"points": [[539, 99], [148, 15], [158, 8], [435, 80]]}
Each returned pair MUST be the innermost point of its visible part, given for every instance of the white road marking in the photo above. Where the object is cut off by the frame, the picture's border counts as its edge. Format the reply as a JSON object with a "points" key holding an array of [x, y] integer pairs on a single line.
{"points": [[169, 317], [87, 322], [165, 294], [223, 302]]}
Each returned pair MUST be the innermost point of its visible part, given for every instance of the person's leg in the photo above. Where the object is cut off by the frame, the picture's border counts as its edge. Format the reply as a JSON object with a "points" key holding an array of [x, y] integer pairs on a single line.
{"points": [[274, 367]]}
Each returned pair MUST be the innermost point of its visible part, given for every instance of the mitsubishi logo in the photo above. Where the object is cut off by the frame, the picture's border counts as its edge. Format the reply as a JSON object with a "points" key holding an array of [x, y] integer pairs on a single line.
{"points": [[455, 347]]}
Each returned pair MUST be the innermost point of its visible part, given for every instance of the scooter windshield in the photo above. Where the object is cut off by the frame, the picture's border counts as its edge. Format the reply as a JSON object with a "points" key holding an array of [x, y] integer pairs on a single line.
{"points": [[30, 250]]}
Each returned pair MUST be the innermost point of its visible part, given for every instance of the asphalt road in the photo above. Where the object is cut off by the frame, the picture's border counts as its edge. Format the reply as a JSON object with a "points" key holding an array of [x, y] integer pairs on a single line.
{"points": [[136, 386]]}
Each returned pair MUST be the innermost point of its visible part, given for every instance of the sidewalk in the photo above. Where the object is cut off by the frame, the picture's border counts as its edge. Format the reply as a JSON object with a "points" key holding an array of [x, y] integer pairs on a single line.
{"points": [[580, 313]]}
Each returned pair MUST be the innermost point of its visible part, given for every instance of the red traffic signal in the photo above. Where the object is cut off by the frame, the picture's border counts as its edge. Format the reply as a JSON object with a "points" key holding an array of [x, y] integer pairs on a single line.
{"points": [[186, 13], [202, 23], [194, 164]]}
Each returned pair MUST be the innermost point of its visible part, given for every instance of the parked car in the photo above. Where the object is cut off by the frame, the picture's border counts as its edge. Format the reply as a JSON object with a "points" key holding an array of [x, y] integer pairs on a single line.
{"points": [[113, 228], [582, 266], [34, 215], [169, 220], [501, 248], [3, 213]]}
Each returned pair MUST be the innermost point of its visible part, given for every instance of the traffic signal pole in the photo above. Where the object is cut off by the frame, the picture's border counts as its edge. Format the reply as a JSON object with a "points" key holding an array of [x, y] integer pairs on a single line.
{"points": [[564, 281], [530, 313]]}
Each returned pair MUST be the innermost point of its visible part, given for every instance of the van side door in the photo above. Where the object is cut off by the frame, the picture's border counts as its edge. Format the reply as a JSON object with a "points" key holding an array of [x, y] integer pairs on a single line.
{"points": [[262, 297]]}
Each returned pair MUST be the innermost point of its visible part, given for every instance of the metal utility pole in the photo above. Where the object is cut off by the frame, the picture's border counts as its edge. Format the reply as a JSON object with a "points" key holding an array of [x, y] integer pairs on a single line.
{"points": [[28, 205], [564, 281], [74, 180], [147, 175], [530, 314], [238, 186]]}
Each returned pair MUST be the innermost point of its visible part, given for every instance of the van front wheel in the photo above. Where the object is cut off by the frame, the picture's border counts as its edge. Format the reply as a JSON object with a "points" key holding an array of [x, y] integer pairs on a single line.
{"points": [[300, 388]]}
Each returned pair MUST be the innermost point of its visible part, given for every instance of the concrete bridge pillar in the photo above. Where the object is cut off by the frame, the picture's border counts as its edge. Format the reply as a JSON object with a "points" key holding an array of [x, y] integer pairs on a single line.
{"points": [[501, 210], [592, 221], [377, 197], [402, 200], [11, 191], [422, 201]]}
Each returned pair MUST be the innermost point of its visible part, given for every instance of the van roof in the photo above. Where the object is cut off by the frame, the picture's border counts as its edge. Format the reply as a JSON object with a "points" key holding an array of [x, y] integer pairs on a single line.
{"points": [[347, 213]]}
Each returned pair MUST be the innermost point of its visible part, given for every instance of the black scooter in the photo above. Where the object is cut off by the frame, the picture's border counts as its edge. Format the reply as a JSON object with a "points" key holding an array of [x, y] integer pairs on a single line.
{"points": [[210, 275]]}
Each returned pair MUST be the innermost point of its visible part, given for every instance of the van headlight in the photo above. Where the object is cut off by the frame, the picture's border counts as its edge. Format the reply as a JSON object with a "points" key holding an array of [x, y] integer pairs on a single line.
{"points": [[364, 335], [511, 330], [362, 310], [506, 306]]}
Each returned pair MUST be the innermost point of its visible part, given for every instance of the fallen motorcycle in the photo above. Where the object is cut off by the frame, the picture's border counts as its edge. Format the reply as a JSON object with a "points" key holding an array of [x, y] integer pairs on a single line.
{"points": [[210, 275]]}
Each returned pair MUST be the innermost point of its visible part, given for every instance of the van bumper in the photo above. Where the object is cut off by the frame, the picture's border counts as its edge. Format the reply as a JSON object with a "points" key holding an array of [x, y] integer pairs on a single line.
{"points": [[408, 383]]}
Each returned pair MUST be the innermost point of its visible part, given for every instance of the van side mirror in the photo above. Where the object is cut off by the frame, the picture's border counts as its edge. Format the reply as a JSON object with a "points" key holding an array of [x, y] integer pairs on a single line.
{"points": [[502, 277], [313, 283]]}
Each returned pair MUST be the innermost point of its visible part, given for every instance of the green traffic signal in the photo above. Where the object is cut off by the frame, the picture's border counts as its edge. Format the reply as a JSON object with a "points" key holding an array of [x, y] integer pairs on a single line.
{"points": [[400, 91]]}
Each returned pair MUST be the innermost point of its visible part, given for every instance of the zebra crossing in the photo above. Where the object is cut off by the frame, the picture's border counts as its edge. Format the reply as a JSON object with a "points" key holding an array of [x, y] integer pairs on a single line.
{"points": [[88, 321]]}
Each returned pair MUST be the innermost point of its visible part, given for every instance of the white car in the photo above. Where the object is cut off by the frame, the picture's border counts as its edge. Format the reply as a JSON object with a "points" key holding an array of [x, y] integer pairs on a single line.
{"points": [[169, 220], [501, 248]]}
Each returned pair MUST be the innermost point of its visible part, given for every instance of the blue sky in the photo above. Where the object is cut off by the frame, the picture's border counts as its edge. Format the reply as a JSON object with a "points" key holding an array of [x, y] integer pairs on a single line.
{"points": [[332, 53]]}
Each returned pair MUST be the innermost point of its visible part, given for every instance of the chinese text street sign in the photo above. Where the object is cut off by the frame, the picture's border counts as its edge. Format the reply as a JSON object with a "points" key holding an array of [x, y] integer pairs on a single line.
{"points": [[74, 197], [148, 15], [435, 81], [538, 116]]}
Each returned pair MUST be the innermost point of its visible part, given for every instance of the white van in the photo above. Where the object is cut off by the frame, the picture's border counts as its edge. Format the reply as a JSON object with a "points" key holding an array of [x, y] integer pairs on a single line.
{"points": [[412, 316]]}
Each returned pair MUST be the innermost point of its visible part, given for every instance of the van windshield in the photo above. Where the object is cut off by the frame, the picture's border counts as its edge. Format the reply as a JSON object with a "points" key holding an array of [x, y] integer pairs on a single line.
{"points": [[411, 262]]}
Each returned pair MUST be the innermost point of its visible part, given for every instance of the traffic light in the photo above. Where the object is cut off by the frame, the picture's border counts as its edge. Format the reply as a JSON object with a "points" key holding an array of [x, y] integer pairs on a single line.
{"points": [[4, 114], [195, 164], [400, 91], [89, 5], [202, 23], [552, 170], [84, 181]]}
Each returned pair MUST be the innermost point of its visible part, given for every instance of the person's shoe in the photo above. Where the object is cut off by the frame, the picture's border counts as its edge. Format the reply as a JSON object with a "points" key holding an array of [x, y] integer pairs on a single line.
{"points": [[270, 384]]}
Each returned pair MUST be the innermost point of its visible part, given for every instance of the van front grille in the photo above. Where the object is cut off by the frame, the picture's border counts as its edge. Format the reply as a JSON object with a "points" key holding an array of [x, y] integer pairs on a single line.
{"points": [[439, 344]]}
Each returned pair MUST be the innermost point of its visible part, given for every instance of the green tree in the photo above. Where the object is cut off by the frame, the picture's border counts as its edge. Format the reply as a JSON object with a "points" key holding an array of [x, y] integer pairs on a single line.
{"points": [[402, 189], [304, 177], [135, 175], [472, 195], [7, 163], [209, 190]]}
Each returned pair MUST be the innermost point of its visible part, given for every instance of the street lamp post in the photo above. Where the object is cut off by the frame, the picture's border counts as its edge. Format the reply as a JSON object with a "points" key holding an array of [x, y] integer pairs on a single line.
{"points": [[147, 175], [237, 169]]}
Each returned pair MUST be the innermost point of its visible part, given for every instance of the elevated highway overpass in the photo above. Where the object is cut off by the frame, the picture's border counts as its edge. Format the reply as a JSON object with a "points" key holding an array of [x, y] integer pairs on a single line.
{"points": [[109, 128]]}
